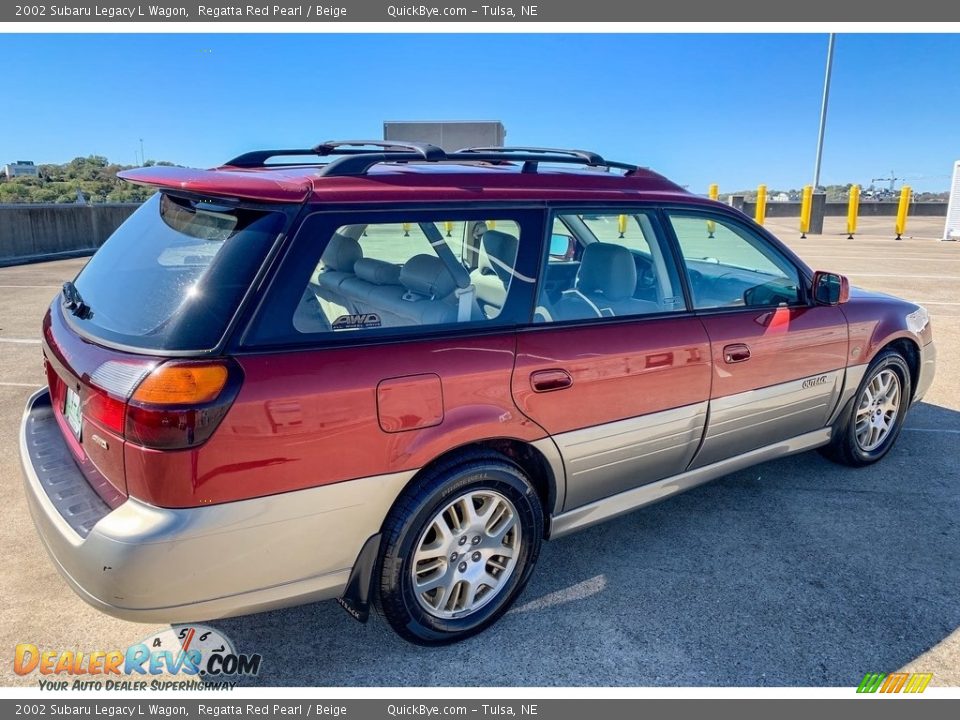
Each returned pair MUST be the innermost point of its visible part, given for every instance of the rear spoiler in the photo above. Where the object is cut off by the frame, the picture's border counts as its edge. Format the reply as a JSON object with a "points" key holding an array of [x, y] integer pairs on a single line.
{"points": [[272, 187]]}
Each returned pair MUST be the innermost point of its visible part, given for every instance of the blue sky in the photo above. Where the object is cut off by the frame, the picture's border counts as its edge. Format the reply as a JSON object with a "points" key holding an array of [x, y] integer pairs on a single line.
{"points": [[732, 109]]}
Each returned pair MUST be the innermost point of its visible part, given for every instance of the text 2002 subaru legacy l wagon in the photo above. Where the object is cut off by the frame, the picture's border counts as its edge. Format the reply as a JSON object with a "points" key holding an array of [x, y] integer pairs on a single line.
{"points": [[386, 374]]}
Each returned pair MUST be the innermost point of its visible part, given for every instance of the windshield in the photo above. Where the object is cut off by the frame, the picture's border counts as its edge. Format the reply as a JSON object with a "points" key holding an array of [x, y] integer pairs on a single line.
{"points": [[171, 277]]}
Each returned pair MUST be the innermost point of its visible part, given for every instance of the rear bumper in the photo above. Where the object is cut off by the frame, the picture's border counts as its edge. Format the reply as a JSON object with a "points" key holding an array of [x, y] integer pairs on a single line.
{"points": [[149, 564]]}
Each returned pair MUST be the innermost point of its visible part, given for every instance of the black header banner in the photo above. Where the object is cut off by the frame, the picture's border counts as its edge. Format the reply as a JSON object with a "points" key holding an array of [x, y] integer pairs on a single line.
{"points": [[313, 15]]}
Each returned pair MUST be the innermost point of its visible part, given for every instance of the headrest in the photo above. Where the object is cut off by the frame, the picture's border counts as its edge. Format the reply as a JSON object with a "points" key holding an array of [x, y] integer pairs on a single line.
{"points": [[607, 269], [378, 272], [500, 247], [427, 275], [341, 253]]}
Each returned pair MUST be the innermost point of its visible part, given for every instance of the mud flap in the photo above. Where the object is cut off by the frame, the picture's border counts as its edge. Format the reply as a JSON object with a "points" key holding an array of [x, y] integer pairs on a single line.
{"points": [[356, 597]]}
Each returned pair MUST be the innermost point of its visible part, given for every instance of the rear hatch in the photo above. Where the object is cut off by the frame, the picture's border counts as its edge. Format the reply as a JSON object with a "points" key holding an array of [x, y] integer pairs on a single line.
{"points": [[121, 341]]}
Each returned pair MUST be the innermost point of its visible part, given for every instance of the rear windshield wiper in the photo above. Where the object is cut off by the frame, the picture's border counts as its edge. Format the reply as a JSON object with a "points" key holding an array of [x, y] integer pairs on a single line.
{"points": [[73, 302]]}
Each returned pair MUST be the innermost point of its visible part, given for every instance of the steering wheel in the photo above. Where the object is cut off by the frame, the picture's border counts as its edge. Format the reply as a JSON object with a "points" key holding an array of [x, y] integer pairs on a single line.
{"points": [[696, 279], [646, 278]]}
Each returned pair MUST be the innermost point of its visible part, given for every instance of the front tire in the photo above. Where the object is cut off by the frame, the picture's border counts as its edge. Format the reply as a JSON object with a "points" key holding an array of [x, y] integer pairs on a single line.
{"points": [[873, 419], [458, 548]]}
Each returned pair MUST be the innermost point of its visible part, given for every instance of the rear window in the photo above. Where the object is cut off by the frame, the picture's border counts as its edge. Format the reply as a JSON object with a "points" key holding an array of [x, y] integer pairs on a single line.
{"points": [[171, 277]]}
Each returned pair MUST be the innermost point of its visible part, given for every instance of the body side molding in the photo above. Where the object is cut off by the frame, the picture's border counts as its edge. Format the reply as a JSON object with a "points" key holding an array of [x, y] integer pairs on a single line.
{"points": [[639, 497]]}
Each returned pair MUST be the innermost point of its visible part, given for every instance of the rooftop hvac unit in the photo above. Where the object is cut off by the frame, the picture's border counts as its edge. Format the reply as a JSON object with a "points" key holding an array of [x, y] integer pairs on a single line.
{"points": [[449, 135]]}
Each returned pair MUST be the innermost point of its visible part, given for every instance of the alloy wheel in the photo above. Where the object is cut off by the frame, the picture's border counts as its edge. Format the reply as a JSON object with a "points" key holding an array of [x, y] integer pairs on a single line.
{"points": [[877, 409], [467, 554]]}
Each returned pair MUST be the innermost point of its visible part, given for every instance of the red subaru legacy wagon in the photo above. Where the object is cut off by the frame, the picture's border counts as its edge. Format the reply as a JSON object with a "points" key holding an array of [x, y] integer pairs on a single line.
{"points": [[387, 373]]}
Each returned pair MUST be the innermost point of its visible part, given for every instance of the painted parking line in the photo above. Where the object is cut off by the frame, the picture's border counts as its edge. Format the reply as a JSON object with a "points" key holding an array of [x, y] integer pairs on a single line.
{"points": [[903, 277], [948, 431], [51, 285], [868, 256], [20, 385], [20, 341]]}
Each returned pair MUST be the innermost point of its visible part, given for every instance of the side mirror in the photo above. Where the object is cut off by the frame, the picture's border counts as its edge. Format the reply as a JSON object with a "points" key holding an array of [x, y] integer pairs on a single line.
{"points": [[562, 246], [830, 288]]}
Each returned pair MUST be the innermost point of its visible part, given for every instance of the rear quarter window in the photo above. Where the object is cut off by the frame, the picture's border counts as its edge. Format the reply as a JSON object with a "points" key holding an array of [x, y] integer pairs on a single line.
{"points": [[172, 276]]}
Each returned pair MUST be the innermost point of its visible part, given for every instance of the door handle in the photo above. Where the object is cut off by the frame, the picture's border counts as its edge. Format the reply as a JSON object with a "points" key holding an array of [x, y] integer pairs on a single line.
{"points": [[549, 380], [738, 352]]}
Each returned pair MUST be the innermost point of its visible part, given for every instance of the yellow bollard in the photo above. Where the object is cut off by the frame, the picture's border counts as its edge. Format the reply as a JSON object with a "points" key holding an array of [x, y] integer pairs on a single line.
{"points": [[806, 207], [406, 229], [902, 211], [714, 194], [448, 226], [761, 212], [621, 224], [853, 210]]}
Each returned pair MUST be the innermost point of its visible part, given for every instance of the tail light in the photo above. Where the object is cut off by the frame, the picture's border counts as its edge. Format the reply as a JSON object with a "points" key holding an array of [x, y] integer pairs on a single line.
{"points": [[105, 409], [179, 404]]}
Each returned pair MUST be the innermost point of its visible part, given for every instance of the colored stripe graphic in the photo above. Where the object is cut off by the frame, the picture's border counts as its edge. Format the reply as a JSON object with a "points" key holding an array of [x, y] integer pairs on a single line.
{"points": [[894, 682], [918, 682], [871, 682]]}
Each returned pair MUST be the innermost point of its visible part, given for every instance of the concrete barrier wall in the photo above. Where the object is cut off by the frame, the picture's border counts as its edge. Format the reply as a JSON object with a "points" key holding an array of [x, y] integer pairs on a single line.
{"points": [[29, 232], [839, 209]]}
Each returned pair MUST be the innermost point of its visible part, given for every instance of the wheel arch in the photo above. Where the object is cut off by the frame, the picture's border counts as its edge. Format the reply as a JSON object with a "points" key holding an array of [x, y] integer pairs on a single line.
{"points": [[908, 348], [545, 473]]}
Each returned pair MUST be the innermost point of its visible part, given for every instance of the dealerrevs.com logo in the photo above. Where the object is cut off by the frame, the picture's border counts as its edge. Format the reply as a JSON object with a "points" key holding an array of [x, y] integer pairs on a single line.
{"points": [[187, 656]]}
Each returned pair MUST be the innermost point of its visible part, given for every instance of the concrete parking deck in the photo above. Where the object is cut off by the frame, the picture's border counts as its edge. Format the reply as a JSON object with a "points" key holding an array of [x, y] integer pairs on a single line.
{"points": [[796, 572]]}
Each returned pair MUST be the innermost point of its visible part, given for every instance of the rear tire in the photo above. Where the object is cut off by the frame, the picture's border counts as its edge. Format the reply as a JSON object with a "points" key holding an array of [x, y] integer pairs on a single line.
{"points": [[458, 548], [871, 422]]}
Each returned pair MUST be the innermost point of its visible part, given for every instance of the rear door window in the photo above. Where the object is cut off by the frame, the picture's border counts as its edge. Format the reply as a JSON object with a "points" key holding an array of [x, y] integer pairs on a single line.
{"points": [[371, 275], [607, 264]]}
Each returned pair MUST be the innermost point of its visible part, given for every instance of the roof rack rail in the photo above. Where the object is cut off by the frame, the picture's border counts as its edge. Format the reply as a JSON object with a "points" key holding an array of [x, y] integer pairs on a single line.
{"points": [[417, 151]]}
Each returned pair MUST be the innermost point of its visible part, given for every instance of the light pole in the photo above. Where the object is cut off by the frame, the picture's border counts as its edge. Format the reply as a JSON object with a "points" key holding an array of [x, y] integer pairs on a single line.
{"points": [[823, 110], [143, 160]]}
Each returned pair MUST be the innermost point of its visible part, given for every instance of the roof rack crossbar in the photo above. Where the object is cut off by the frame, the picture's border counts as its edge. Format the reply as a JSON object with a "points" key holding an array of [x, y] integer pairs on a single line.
{"points": [[426, 151], [531, 160], [588, 157], [532, 156], [359, 163], [258, 158]]}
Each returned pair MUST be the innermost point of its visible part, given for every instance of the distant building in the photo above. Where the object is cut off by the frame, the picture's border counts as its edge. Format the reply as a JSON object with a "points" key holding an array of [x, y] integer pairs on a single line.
{"points": [[781, 197], [21, 168], [449, 135]]}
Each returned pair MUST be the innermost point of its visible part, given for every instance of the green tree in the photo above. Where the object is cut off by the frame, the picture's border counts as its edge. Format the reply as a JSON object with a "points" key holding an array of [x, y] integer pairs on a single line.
{"points": [[94, 175]]}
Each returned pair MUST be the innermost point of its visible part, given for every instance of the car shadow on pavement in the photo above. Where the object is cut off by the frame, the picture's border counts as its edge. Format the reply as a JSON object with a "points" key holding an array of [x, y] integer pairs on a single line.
{"points": [[794, 572]]}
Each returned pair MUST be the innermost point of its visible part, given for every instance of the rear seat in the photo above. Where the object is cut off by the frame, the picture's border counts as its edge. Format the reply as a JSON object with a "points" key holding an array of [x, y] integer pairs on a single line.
{"points": [[339, 260], [498, 256], [421, 292]]}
